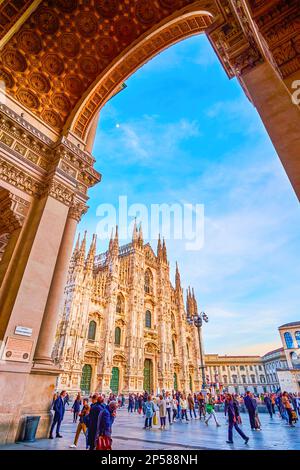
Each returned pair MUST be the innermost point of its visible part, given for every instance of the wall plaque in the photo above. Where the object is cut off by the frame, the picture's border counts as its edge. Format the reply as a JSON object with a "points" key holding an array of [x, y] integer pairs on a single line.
{"points": [[17, 350]]}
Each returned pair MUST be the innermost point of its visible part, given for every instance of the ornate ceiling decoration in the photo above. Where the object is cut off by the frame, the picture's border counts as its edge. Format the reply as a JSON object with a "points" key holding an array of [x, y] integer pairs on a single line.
{"points": [[278, 23], [65, 44], [70, 56], [10, 12]]}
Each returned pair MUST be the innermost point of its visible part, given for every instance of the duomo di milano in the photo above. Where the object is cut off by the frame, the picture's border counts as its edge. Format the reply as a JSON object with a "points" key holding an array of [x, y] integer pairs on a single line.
{"points": [[124, 326], [60, 62]]}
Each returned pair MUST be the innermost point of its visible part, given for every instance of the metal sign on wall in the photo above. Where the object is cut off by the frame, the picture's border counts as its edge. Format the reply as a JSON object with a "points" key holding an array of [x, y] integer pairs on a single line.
{"points": [[17, 349]]}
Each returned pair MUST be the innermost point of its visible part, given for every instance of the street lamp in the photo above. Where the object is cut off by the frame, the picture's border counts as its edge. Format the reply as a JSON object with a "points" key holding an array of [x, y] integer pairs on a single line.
{"points": [[197, 320]]}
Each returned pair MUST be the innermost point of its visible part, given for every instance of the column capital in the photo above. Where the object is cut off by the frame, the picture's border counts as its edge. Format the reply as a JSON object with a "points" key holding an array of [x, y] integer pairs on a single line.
{"points": [[77, 210]]}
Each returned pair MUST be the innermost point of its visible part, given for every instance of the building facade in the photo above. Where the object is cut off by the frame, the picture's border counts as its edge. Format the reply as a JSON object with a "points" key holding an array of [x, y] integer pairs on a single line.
{"points": [[289, 377], [124, 326], [274, 362], [236, 374]]}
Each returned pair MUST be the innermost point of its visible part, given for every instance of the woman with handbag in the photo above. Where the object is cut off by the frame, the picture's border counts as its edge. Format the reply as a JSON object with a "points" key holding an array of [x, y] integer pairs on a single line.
{"points": [[103, 440], [149, 411]]}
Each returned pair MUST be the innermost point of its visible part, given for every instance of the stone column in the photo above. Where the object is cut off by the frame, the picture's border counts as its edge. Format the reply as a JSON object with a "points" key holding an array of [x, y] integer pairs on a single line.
{"points": [[280, 116], [42, 357]]}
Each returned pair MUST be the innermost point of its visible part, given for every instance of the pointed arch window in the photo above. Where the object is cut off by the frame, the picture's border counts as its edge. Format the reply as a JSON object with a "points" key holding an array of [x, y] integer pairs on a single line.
{"points": [[92, 330], [118, 336], [288, 340], [173, 347], [148, 319], [148, 282]]}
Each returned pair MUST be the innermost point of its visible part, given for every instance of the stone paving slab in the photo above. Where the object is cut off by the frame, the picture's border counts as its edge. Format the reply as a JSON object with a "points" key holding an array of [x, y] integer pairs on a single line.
{"points": [[129, 435]]}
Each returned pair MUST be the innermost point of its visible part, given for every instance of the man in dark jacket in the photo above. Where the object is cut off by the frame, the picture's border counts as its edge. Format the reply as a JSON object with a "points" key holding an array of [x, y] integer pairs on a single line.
{"points": [[248, 400], [59, 410], [232, 420], [93, 420]]}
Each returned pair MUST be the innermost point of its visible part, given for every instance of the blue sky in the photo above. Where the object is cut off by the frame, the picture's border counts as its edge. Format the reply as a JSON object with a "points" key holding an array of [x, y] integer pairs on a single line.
{"points": [[182, 132]]}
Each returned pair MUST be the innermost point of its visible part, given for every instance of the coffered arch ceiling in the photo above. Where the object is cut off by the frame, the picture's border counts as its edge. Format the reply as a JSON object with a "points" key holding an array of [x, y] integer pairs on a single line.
{"points": [[61, 51], [63, 59]]}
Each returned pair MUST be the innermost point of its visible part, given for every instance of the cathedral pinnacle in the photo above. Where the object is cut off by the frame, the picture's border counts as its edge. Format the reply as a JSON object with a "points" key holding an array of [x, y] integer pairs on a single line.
{"points": [[141, 239], [177, 279], [135, 233], [159, 249]]}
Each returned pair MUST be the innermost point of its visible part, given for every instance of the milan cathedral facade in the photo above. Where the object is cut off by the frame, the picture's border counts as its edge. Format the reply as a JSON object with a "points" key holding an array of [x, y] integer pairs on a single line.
{"points": [[124, 325]]}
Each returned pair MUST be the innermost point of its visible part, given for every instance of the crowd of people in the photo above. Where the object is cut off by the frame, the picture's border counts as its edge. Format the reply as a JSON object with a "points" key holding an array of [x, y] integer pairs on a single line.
{"points": [[95, 415]]}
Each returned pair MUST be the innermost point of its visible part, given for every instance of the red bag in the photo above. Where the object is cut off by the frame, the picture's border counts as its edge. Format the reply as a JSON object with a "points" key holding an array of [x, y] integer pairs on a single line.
{"points": [[140, 410], [104, 443]]}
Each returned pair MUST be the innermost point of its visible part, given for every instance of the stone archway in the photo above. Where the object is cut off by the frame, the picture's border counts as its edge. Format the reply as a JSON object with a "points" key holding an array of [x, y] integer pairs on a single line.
{"points": [[60, 63]]}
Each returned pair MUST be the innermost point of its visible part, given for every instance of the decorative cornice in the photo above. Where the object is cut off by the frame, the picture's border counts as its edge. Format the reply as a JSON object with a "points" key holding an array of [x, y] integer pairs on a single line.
{"points": [[32, 159], [13, 211], [19, 178], [234, 40]]}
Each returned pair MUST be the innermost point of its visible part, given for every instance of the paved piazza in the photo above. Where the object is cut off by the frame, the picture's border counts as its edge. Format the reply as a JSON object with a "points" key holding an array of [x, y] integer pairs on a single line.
{"points": [[129, 435]]}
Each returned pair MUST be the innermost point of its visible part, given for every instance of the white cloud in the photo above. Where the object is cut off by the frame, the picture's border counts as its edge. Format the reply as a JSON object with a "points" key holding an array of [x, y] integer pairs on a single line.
{"points": [[146, 141]]}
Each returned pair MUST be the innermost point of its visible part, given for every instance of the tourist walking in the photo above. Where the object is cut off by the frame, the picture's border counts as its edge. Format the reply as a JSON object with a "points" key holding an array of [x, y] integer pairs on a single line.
{"points": [[191, 405], [162, 408], [169, 408], [256, 418], [82, 422], [103, 439], [76, 407], [149, 411], [201, 405], [210, 410], [136, 402], [93, 420], [236, 406], [268, 403], [130, 403], [183, 406], [174, 408], [59, 411], [232, 420], [288, 408], [250, 406]]}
